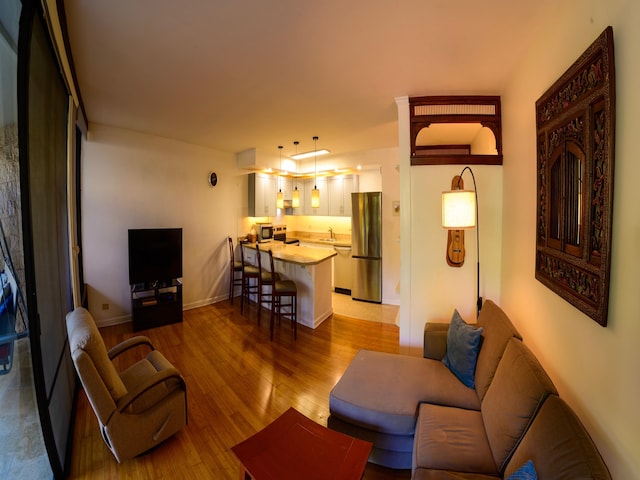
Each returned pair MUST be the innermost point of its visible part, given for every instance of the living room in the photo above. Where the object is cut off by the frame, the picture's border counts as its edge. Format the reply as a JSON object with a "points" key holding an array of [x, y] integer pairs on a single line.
{"points": [[130, 178]]}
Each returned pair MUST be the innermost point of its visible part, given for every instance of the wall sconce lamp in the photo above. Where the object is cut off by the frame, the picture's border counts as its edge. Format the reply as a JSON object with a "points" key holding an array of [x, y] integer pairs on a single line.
{"points": [[315, 193], [460, 212]]}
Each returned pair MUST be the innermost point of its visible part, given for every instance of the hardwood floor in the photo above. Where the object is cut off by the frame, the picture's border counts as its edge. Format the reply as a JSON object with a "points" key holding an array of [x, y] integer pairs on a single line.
{"points": [[238, 382]]}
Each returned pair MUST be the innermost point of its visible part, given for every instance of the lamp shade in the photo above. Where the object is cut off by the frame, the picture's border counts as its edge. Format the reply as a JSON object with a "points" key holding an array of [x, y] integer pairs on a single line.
{"points": [[280, 199], [315, 197], [295, 198], [458, 209]]}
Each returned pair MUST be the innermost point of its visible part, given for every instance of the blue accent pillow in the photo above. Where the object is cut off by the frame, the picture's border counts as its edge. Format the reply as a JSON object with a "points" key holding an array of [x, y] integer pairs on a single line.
{"points": [[525, 472], [463, 345]]}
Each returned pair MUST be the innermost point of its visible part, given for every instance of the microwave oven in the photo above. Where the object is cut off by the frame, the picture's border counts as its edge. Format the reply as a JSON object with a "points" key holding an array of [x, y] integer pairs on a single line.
{"points": [[264, 231]]}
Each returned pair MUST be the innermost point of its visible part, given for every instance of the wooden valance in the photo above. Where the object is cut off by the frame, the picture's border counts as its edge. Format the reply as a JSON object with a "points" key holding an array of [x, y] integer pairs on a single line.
{"points": [[425, 111]]}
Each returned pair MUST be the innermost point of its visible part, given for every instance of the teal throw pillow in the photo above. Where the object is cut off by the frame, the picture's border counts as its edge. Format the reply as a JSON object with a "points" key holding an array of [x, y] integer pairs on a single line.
{"points": [[463, 345], [525, 472]]}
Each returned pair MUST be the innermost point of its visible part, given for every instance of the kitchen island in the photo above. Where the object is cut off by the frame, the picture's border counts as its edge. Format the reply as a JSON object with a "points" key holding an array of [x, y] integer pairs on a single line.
{"points": [[309, 268]]}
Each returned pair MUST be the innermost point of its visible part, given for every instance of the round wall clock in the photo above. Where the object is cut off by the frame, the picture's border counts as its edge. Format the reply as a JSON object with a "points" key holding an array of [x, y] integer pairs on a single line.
{"points": [[213, 179]]}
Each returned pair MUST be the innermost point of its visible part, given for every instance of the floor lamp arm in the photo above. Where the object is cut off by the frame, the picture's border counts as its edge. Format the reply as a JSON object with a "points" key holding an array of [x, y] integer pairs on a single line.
{"points": [[475, 190]]}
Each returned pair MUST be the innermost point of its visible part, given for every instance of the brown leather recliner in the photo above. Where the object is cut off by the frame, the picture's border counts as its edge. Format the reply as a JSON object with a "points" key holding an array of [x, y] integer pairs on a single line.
{"points": [[137, 408]]}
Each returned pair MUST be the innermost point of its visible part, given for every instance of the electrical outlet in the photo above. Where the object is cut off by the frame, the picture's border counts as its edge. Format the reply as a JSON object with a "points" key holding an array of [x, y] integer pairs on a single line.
{"points": [[105, 306]]}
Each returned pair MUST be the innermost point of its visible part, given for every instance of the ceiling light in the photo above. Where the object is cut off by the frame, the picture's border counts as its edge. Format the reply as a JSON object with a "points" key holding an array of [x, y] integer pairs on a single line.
{"points": [[295, 197], [315, 193], [300, 156], [280, 195]]}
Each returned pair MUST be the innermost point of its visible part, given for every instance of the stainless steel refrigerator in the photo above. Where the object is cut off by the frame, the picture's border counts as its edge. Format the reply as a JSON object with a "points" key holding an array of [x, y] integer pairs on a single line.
{"points": [[366, 246]]}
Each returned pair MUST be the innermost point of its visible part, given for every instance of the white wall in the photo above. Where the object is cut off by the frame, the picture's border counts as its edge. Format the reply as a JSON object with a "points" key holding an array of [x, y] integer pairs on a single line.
{"points": [[594, 368], [431, 289], [436, 287], [131, 180]]}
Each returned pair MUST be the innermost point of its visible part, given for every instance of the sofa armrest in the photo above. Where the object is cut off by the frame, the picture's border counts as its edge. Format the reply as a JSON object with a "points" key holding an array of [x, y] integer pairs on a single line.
{"points": [[435, 340]]}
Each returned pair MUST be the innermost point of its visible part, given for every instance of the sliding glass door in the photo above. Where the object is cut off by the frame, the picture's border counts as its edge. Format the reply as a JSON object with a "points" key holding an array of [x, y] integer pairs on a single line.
{"points": [[43, 126], [22, 447]]}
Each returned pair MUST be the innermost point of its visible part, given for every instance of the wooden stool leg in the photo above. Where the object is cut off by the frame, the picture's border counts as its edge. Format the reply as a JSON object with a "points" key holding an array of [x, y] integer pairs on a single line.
{"points": [[294, 316], [274, 306]]}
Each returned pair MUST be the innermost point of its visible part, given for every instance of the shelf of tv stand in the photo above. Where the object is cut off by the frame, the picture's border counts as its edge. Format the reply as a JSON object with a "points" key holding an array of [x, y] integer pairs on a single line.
{"points": [[154, 304]]}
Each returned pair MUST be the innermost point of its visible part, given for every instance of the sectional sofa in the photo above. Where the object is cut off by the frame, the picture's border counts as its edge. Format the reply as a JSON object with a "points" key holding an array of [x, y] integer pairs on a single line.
{"points": [[507, 420]]}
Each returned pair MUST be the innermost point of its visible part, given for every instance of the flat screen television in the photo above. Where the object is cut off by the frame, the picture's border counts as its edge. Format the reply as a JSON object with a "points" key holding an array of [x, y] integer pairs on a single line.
{"points": [[155, 254]]}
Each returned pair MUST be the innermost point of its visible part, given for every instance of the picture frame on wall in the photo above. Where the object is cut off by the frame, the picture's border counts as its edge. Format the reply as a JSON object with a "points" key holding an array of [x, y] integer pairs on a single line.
{"points": [[575, 123]]}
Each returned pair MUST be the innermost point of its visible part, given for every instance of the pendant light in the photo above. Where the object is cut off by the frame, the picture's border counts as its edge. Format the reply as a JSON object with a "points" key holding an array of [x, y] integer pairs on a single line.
{"points": [[295, 197], [315, 193], [280, 195]]}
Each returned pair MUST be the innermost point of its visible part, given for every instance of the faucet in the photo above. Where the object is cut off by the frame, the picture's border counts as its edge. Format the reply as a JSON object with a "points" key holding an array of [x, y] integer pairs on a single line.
{"points": [[331, 234]]}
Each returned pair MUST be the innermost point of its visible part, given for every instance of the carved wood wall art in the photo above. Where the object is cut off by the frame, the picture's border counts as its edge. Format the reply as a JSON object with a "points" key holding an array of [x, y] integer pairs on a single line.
{"points": [[575, 121], [465, 109]]}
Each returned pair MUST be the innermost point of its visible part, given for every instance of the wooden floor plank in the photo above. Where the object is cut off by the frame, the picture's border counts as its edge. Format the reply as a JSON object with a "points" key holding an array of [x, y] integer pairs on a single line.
{"points": [[238, 381]]}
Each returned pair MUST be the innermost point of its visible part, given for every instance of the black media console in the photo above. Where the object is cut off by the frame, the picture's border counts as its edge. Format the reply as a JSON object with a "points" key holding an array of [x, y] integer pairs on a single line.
{"points": [[155, 269], [156, 303]]}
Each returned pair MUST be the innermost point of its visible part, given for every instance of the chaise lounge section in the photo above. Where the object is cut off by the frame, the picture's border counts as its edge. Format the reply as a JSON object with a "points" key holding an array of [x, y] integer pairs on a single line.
{"points": [[418, 414], [378, 396]]}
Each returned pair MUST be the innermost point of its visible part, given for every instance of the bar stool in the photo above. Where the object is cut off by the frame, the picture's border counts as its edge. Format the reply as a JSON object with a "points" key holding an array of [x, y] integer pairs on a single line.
{"points": [[288, 290], [249, 272], [235, 267], [265, 279]]}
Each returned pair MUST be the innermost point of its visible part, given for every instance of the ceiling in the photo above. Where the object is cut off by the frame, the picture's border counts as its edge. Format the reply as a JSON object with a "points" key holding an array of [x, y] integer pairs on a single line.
{"points": [[239, 74]]}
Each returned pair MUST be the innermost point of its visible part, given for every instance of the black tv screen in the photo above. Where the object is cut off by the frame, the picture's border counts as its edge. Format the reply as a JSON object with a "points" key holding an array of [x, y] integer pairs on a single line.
{"points": [[155, 254]]}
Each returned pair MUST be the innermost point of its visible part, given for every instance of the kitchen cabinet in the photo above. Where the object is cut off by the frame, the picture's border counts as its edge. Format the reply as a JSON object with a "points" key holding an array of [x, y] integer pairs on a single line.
{"points": [[262, 195], [339, 189], [342, 274], [321, 183]]}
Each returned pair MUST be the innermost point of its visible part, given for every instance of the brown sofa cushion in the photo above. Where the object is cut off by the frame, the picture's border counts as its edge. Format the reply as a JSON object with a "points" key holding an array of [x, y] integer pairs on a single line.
{"points": [[442, 475], [381, 391], [498, 329], [559, 446], [449, 438], [519, 387], [84, 335]]}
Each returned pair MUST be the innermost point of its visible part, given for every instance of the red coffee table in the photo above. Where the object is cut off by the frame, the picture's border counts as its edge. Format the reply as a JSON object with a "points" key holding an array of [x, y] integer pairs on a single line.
{"points": [[295, 447]]}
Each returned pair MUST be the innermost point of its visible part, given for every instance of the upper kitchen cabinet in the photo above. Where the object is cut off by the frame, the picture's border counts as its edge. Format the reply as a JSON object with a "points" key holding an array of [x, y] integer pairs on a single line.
{"points": [[262, 195], [340, 188], [323, 209]]}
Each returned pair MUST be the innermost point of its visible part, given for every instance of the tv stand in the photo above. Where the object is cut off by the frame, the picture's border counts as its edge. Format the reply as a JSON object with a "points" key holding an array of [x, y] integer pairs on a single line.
{"points": [[156, 303]]}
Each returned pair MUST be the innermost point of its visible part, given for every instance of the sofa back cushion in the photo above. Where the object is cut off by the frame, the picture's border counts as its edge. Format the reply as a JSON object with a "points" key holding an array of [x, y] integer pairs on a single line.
{"points": [[519, 387], [84, 335], [497, 330], [559, 446]]}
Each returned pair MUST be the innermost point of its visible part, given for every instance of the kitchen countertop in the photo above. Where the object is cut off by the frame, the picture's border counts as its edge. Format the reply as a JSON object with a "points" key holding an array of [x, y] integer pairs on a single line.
{"points": [[295, 253], [323, 241]]}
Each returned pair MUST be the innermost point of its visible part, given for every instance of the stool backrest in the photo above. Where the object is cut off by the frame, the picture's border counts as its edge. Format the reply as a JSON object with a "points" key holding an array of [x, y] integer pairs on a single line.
{"points": [[271, 259], [242, 253], [259, 260], [231, 250]]}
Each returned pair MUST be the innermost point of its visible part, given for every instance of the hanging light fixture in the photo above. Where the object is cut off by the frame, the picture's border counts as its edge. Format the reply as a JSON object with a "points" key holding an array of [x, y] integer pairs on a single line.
{"points": [[280, 195], [315, 193], [295, 197]]}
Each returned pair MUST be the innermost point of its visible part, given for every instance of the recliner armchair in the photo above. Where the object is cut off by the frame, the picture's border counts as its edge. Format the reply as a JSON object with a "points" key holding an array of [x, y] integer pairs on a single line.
{"points": [[137, 408]]}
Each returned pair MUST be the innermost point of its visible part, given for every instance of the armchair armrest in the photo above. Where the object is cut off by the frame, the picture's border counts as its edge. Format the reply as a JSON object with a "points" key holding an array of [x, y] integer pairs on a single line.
{"points": [[435, 340], [128, 344], [148, 384]]}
